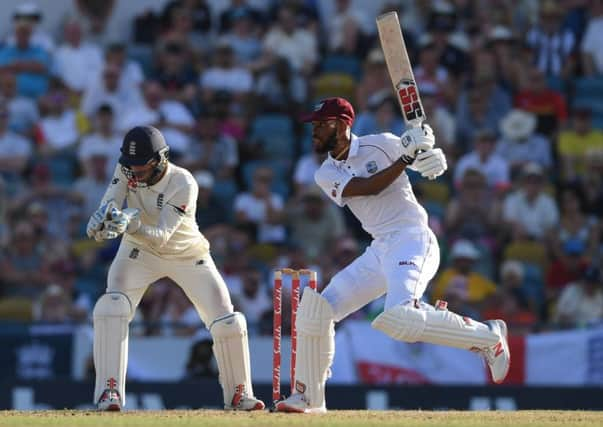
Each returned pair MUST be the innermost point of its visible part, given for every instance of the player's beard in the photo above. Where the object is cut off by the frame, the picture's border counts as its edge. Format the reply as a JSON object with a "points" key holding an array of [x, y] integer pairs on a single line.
{"points": [[329, 144]]}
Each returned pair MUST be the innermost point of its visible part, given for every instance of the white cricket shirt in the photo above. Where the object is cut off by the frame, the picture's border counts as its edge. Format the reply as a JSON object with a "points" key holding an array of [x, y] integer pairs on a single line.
{"points": [[391, 210], [167, 213]]}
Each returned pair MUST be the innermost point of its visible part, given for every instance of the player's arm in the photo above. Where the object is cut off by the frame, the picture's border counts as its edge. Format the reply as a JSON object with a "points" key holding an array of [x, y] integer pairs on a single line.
{"points": [[412, 141], [175, 210], [113, 199]]}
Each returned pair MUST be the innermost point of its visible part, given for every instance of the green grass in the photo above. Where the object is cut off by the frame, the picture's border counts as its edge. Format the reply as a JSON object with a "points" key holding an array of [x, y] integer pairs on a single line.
{"points": [[68, 418]]}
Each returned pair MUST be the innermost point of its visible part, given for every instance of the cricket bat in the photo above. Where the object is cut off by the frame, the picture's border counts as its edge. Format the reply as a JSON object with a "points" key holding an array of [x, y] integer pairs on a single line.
{"points": [[400, 69]]}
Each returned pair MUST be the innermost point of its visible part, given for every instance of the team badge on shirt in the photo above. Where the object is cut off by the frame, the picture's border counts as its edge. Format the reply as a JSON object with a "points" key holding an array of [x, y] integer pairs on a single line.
{"points": [[371, 167]]}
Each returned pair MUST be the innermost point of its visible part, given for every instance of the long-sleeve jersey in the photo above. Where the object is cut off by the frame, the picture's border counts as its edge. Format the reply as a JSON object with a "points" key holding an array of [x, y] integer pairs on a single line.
{"points": [[395, 207], [167, 213]]}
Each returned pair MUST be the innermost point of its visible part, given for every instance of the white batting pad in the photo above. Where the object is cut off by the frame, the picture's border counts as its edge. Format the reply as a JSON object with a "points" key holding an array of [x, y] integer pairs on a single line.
{"points": [[404, 322], [315, 346], [231, 350], [111, 317]]}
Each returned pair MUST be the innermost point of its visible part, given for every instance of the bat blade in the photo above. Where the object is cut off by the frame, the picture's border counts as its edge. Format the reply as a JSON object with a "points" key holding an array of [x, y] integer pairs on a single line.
{"points": [[400, 68]]}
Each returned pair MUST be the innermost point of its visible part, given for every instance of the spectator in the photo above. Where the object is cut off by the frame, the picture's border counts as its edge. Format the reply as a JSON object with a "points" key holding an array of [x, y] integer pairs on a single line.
{"points": [[483, 158], [382, 116], [106, 89], [566, 268], [63, 273], [442, 122], [130, 72], [346, 31], [375, 78], [252, 300], [536, 97], [429, 71], [23, 111], [262, 207], [200, 362], [592, 49], [502, 42], [75, 60], [236, 8], [581, 303], [30, 63], [305, 168], [210, 209], [52, 306], [280, 89], [530, 211], [574, 223], [15, 150], [225, 75], [212, 149], [575, 142], [461, 276], [104, 140], [519, 144], [244, 37], [508, 306], [553, 43], [29, 13], [314, 225], [492, 98], [171, 117], [23, 271], [58, 128], [476, 118], [286, 38], [179, 317], [175, 72], [475, 212], [91, 186], [94, 16]]}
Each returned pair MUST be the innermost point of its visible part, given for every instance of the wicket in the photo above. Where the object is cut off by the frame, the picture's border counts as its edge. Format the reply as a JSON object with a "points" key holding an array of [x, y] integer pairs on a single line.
{"points": [[277, 302]]}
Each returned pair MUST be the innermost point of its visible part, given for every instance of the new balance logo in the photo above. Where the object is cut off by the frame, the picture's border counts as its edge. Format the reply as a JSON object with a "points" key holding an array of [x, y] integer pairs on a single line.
{"points": [[498, 349]]}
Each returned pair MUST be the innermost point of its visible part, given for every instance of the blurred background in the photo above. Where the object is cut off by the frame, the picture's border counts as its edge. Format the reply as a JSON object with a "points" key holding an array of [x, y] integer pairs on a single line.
{"points": [[513, 90]]}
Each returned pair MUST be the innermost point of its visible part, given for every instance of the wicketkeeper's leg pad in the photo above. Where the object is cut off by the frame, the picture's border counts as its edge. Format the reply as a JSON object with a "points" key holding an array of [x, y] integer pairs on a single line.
{"points": [[111, 318], [231, 349], [406, 322], [315, 346]]}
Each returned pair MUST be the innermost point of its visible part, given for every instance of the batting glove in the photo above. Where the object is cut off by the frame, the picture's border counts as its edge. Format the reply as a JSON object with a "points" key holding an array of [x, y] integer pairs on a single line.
{"points": [[415, 140], [431, 163]]}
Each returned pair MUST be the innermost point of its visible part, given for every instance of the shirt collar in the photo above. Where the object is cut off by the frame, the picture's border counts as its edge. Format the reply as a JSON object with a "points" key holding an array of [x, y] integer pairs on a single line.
{"points": [[354, 146]]}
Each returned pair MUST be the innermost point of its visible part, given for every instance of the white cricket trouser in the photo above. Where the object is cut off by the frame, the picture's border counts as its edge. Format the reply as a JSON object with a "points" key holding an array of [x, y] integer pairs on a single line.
{"points": [[400, 264], [134, 269]]}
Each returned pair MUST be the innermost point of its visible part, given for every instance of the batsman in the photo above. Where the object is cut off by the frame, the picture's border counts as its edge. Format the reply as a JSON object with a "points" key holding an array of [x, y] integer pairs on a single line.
{"points": [[160, 239], [367, 173]]}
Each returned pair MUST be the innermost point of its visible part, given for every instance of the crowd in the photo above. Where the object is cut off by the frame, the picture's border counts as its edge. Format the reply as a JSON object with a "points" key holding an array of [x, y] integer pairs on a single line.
{"points": [[513, 90]]}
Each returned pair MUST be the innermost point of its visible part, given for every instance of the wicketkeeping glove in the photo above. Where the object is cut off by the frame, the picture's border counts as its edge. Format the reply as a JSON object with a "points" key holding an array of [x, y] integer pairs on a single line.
{"points": [[415, 140], [95, 223], [430, 164], [126, 221]]}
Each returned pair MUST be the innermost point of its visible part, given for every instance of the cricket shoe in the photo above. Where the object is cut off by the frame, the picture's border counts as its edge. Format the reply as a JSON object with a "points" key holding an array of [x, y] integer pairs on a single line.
{"points": [[242, 402], [110, 400], [297, 403], [498, 356]]}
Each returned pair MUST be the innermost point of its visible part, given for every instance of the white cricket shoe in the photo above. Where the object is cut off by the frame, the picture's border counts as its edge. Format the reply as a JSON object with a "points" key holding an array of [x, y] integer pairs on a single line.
{"points": [[297, 403], [109, 401], [242, 402], [498, 356]]}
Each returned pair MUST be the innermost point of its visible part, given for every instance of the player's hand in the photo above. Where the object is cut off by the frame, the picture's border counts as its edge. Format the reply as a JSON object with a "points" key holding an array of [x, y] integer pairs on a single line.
{"points": [[415, 140], [126, 221], [96, 221], [431, 163]]}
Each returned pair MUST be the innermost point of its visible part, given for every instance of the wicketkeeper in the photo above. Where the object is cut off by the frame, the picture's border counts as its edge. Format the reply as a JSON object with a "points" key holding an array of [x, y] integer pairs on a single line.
{"points": [[160, 239]]}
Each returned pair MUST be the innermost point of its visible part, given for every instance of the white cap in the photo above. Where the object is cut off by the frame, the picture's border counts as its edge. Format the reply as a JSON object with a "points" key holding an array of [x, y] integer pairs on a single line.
{"points": [[500, 32], [204, 179], [464, 249], [518, 125]]}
